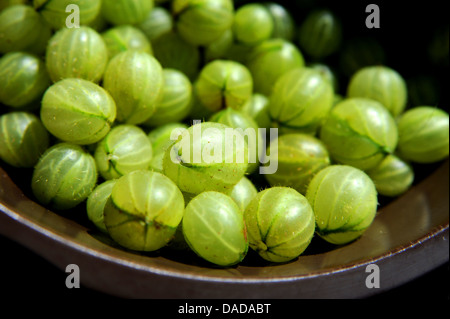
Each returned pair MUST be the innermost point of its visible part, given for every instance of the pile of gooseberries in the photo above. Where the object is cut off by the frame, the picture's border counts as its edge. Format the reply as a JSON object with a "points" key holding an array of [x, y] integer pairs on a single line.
{"points": [[125, 119]]}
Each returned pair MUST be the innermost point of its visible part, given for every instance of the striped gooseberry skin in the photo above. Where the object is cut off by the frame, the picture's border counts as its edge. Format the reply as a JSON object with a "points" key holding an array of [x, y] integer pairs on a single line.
{"points": [[219, 48], [64, 176], [300, 157], [159, 138], [269, 60], [257, 107], [204, 164], [300, 101], [143, 211], [77, 111], [214, 228], [280, 224], [175, 53], [328, 73], [344, 200], [54, 11], [223, 83], [76, 53], [320, 34], [96, 201], [382, 84], [423, 134], [125, 37], [119, 12], [392, 177], [359, 132], [124, 149], [243, 192], [23, 139], [158, 22], [23, 79], [283, 22], [23, 29], [176, 101], [200, 22], [252, 24], [135, 81], [239, 120]]}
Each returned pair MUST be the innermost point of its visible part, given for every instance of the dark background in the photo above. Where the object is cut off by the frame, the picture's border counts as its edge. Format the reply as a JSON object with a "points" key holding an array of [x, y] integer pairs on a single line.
{"points": [[23, 275]]}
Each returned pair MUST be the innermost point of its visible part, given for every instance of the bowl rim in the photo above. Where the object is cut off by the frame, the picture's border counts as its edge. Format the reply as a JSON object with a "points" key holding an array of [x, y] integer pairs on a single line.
{"points": [[425, 253]]}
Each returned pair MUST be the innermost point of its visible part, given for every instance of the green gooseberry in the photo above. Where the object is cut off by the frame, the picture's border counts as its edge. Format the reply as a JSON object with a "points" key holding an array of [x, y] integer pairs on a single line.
{"points": [[96, 201], [300, 101], [23, 79], [280, 224], [135, 80], [252, 24], [23, 139], [176, 101], [283, 22], [382, 84], [243, 192], [23, 29], [328, 73], [320, 34], [238, 52], [423, 134], [124, 149], [143, 211], [200, 22], [299, 157], [214, 228], [125, 37], [7, 3], [223, 83], [269, 60], [55, 12], [159, 138], [344, 200], [207, 156], [253, 137], [392, 177], [118, 12], [64, 176], [219, 49], [258, 109], [76, 53], [175, 53], [77, 111], [359, 132], [158, 22]]}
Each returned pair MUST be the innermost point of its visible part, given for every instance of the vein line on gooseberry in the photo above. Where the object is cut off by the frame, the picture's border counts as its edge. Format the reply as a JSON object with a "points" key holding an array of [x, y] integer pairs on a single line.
{"points": [[213, 232], [338, 193], [363, 136], [57, 183], [299, 233], [9, 142]]}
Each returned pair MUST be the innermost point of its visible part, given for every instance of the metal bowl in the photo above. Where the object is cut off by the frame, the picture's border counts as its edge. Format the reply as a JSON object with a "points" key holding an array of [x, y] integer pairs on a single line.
{"points": [[408, 238]]}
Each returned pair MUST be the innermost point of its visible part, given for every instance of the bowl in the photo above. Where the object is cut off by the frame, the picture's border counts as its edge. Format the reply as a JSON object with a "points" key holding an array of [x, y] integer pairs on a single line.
{"points": [[408, 238]]}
